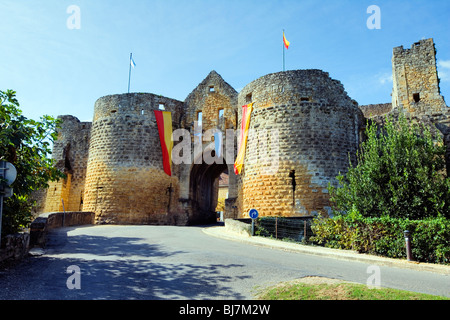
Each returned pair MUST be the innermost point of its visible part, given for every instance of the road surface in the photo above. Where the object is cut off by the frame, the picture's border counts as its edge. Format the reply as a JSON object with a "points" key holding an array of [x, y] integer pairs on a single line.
{"points": [[165, 262]]}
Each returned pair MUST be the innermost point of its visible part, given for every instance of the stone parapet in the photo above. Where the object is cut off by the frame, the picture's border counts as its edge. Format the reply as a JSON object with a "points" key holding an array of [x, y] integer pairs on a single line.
{"points": [[16, 247], [48, 221]]}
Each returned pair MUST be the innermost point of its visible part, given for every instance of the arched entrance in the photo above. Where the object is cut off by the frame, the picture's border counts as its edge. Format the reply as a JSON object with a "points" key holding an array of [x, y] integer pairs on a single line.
{"points": [[203, 191]]}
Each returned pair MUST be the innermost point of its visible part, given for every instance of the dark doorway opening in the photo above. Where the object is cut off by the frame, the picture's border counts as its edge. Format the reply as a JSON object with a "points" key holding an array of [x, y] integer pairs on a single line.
{"points": [[204, 192]]}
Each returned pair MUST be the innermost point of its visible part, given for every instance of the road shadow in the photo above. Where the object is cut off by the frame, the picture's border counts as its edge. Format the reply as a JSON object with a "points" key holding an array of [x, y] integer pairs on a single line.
{"points": [[59, 242], [116, 268]]}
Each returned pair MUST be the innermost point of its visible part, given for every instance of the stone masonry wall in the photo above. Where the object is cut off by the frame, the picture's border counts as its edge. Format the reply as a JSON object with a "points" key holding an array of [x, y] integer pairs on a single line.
{"points": [[16, 247], [373, 110], [210, 96]]}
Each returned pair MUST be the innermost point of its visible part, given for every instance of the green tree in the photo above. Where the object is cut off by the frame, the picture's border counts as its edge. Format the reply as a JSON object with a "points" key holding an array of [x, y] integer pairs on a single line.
{"points": [[400, 173], [25, 143]]}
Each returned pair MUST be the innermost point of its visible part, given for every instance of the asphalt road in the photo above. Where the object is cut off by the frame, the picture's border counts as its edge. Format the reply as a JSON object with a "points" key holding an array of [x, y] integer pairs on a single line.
{"points": [[163, 262]]}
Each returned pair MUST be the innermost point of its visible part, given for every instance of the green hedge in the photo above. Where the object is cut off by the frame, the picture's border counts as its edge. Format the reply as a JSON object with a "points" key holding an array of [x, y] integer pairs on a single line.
{"points": [[430, 238]]}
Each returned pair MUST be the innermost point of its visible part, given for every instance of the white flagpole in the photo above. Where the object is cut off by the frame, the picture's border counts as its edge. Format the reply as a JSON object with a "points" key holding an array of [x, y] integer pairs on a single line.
{"points": [[129, 73], [284, 69]]}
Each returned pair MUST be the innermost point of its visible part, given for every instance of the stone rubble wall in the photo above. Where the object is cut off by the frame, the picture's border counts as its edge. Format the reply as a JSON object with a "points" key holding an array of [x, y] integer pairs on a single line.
{"points": [[48, 221], [16, 247], [373, 110]]}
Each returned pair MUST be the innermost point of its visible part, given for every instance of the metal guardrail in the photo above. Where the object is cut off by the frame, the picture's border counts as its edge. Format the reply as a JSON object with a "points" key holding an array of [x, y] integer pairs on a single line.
{"points": [[296, 229]]}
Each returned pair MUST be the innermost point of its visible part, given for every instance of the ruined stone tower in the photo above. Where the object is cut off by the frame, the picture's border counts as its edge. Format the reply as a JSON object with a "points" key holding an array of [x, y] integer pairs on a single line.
{"points": [[416, 91], [415, 79], [70, 152], [416, 88]]}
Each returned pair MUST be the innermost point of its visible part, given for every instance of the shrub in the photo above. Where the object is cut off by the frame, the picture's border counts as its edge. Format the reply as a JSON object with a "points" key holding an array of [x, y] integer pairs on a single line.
{"points": [[399, 183], [430, 238], [400, 173]]}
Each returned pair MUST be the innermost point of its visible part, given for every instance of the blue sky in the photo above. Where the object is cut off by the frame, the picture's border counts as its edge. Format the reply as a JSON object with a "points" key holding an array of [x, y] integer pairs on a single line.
{"points": [[176, 43]]}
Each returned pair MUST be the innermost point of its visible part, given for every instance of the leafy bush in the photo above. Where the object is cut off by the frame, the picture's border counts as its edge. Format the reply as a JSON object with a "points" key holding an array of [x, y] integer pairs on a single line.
{"points": [[399, 183], [430, 238], [400, 173]]}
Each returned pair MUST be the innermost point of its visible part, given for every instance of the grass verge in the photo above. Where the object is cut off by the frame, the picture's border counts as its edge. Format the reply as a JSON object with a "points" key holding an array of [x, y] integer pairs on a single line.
{"points": [[339, 291]]}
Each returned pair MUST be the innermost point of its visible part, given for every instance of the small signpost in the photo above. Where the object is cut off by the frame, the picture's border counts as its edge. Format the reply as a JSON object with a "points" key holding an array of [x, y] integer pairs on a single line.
{"points": [[9, 173], [253, 213]]}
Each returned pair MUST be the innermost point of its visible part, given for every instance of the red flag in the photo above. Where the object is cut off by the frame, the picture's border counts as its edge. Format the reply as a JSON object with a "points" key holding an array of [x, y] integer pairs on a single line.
{"points": [[164, 122]]}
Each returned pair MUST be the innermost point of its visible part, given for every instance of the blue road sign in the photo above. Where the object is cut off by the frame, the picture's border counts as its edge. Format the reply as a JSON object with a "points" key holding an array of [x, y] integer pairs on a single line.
{"points": [[253, 213]]}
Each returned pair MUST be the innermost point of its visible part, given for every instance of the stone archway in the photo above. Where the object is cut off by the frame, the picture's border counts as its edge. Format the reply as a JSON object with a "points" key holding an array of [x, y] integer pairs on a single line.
{"points": [[203, 191]]}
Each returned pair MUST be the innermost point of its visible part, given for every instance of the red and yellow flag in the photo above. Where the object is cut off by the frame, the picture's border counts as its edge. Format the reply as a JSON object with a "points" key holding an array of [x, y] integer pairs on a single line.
{"points": [[285, 41], [246, 112], [164, 122]]}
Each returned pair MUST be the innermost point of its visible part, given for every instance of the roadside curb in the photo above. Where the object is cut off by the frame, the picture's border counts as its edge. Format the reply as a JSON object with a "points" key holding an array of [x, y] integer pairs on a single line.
{"points": [[221, 232]]}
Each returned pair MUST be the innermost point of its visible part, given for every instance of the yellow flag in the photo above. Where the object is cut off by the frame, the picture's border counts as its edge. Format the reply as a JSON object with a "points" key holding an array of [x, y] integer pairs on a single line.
{"points": [[285, 41]]}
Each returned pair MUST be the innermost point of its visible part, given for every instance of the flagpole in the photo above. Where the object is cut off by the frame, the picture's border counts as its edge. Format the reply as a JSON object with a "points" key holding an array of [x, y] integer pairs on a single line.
{"points": [[283, 52], [129, 73]]}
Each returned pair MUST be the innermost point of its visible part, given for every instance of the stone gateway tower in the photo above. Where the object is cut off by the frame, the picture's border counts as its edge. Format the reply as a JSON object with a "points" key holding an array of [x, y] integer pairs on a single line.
{"points": [[212, 107], [303, 131]]}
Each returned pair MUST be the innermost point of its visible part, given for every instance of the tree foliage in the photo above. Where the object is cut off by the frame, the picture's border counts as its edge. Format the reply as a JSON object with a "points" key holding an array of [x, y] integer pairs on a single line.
{"points": [[400, 173], [25, 143]]}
